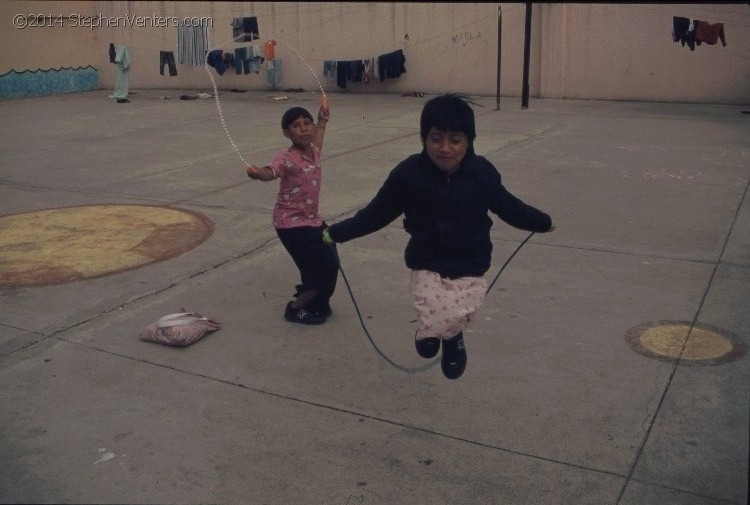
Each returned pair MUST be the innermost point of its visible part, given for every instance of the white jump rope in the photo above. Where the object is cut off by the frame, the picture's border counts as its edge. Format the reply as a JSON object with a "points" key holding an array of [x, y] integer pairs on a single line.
{"points": [[403, 368]]}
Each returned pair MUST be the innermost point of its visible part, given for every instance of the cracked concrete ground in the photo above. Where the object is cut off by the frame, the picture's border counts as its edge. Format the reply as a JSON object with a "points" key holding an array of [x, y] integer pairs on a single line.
{"points": [[558, 404]]}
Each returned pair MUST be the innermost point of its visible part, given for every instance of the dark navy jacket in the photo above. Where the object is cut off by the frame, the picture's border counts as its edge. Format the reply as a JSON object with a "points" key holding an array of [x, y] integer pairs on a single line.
{"points": [[447, 217]]}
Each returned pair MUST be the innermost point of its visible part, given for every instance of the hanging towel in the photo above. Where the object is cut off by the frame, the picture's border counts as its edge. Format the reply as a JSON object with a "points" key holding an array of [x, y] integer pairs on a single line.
{"points": [[709, 33], [274, 73], [269, 49]]}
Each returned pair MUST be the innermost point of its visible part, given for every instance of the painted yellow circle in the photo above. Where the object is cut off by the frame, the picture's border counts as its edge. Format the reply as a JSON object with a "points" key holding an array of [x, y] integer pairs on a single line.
{"points": [[59, 245], [668, 340]]}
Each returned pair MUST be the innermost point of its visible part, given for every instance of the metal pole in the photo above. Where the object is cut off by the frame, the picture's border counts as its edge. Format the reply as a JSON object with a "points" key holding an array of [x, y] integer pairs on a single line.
{"points": [[499, 48], [526, 53]]}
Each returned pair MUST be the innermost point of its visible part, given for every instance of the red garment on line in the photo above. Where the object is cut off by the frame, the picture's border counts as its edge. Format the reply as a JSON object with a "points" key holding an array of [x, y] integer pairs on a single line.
{"points": [[709, 33]]}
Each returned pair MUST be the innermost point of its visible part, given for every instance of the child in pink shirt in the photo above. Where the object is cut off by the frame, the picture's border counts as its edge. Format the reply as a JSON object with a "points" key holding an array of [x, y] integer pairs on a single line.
{"points": [[296, 216]]}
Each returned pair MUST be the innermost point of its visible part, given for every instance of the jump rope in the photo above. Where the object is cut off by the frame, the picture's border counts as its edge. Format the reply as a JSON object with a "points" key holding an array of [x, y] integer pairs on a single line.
{"points": [[324, 103]]}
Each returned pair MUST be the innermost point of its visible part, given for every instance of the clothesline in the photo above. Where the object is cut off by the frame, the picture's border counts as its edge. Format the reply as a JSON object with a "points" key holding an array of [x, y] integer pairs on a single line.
{"points": [[694, 32]]}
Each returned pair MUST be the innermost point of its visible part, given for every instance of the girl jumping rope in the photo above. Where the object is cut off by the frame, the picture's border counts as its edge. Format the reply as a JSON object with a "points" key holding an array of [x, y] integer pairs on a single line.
{"points": [[445, 194]]}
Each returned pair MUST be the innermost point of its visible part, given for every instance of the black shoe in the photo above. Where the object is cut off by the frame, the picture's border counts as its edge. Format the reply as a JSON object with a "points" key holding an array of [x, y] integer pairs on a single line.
{"points": [[318, 308], [454, 357], [298, 290], [302, 316], [427, 347]]}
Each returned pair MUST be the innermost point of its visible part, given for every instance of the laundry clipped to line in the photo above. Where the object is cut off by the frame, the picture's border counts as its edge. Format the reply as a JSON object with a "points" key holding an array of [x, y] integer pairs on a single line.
{"points": [[694, 32]]}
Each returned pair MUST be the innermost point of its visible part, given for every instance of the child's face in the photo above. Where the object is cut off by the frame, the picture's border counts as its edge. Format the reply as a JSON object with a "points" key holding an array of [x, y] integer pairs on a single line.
{"points": [[446, 149], [300, 131]]}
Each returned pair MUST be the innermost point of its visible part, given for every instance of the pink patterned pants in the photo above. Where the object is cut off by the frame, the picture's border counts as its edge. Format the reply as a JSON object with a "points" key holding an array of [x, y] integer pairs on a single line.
{"points": [[445, 307]]}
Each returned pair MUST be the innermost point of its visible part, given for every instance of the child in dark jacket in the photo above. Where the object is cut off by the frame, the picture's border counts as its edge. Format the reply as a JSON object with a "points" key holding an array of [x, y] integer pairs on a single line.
{"points": [[445, 194]]}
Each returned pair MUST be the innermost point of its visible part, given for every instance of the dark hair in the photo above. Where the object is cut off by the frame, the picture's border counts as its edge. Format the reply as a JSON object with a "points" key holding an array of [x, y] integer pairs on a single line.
{"points": [[448, 112], [293, 114]]}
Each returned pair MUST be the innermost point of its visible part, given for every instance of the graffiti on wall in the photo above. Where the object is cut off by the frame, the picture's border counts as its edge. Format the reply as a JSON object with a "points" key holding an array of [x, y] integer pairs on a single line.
{"points": [[458, 40], [40, 82]]}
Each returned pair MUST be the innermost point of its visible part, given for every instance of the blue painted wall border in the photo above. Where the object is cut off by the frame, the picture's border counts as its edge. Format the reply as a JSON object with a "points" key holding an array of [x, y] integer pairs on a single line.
{"points": [[40, 82]]}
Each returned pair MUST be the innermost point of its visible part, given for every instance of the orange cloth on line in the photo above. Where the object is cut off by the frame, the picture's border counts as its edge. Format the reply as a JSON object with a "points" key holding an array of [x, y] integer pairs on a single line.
{"points": [[269, 49]]}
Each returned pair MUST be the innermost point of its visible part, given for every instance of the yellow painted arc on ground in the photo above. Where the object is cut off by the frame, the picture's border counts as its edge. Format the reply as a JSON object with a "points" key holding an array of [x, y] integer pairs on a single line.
{"points": [[668, 340], [59, 245]]}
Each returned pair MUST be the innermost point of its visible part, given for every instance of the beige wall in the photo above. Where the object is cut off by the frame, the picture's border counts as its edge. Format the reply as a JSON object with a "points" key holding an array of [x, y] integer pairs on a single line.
{"points": [[582, 51], [626, 52], [45, 45]]}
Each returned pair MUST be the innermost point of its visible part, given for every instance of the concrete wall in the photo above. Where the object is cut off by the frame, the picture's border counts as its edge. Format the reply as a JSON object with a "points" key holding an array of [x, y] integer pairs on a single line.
{"points": [[581, 51], [38, 56], [626, 52]]}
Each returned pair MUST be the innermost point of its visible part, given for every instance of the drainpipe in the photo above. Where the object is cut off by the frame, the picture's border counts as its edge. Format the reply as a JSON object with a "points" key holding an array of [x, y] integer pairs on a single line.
{"points": [[526, 53], [499, 48]]}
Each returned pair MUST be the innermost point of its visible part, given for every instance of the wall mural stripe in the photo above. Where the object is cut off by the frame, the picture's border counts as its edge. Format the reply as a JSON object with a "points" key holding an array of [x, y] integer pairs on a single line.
{"points": [[51, 81]]}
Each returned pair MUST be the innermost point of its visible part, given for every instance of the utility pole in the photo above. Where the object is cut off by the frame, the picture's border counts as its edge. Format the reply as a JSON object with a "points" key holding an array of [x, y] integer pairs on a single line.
{"points": [[526, 53], [499, 48]]}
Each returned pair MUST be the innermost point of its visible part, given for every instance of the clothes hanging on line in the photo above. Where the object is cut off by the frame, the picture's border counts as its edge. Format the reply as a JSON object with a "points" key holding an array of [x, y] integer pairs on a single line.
{"points": [[274, 73], [348, 70], [694, 32], [269, 49], [709, 33], [329, 68], [229, 60], [356, 70], [683, 31], [241, 60], [342, 73], [122, 82], [248, 59], [362, 70], [215, 59], [167, 58], [192, 44], [368, 65], [391, 65], [247, 26]]}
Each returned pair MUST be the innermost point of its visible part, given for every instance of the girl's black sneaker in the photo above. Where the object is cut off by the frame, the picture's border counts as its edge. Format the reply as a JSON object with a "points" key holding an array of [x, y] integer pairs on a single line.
{"points": [[427, 347], [302, 316], [454, 357]]}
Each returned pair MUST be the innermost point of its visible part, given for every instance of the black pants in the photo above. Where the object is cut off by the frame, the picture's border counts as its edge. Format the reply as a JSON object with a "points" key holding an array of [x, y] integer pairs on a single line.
{"points": [[241, 60], [167, 57], [317, 262]]}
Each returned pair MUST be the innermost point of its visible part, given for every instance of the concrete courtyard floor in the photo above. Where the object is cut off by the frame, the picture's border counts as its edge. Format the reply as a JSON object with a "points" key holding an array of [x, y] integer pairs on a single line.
{"points": [[607, 366]]}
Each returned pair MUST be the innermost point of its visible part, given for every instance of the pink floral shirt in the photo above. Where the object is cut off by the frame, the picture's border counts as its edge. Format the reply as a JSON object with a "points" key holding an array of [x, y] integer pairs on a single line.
{"points": [[299, 188]]}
